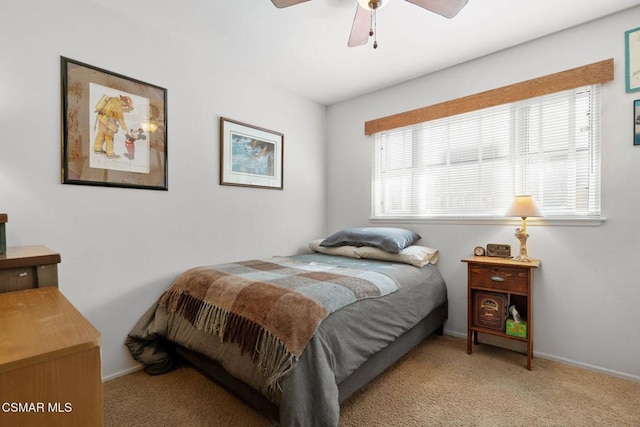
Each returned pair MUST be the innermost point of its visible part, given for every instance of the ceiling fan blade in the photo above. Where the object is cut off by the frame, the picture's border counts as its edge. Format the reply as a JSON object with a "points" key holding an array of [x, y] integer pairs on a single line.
{"points": [[361, 27], [287, 3], [446, 8]]}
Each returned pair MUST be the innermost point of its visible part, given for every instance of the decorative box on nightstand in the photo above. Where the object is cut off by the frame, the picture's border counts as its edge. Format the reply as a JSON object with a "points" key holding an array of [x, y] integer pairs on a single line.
{"points": [[490, 310]]}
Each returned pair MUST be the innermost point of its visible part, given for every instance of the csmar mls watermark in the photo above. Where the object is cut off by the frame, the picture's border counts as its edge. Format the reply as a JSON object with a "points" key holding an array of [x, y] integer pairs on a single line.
{"points": [[36, 407]]}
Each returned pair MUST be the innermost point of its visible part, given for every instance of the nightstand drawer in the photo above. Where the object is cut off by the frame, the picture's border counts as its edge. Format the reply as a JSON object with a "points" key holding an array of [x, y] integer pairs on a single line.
{"points": [[504, 278]]}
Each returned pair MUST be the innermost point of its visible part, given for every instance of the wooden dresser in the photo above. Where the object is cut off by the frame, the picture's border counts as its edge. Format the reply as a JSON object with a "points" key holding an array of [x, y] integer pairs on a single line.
{"points": [[27, 267], [50, 369]]}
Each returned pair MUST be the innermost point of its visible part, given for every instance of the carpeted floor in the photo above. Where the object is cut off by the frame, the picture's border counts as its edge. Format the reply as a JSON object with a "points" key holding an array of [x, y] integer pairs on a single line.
{"points": [[436, 384]]}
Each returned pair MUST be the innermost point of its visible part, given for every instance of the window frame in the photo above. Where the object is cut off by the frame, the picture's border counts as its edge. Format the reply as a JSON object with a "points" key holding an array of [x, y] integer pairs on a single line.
{"points": [[582, 76]]}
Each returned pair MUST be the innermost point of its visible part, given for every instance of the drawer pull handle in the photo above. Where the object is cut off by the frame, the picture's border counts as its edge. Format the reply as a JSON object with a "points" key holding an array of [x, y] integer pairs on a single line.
{"points": [[497, 278], [23, 274]]}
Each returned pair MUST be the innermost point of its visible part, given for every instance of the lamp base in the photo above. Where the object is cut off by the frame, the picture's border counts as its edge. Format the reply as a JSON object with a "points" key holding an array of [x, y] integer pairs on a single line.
{"points": [[522, 238]]}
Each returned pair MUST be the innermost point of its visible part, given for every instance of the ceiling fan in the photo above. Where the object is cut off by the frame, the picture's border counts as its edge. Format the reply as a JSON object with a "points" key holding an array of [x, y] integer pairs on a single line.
{"points": [[364, 23]]}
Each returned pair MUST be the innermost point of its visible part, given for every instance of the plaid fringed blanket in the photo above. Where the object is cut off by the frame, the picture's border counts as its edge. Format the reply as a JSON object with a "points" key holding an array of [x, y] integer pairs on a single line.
{"points": [[270, 308]]}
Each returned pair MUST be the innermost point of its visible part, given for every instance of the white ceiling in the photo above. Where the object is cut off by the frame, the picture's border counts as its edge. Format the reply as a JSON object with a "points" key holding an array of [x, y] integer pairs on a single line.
{"points": [[303, 48]]}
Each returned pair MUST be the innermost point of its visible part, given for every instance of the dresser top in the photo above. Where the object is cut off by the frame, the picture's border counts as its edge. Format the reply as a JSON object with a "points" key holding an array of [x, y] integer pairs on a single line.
{"points": [[40, 324], [28, 256]]}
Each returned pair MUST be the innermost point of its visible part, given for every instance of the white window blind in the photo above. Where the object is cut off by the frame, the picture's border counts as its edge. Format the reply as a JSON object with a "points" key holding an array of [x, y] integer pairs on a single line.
{"points": [[473, 164]]}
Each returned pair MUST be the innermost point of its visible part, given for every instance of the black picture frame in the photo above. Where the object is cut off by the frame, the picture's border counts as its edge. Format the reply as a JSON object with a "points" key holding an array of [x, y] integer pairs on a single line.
{"points": [[114, 129]]}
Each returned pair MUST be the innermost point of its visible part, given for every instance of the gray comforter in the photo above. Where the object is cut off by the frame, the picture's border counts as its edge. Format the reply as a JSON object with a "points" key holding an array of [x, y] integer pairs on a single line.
{"points": [[342, 343]]}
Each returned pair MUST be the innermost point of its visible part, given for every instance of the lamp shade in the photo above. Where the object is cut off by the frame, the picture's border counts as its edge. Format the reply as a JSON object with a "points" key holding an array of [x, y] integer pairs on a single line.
{"points": [[524, 207]]}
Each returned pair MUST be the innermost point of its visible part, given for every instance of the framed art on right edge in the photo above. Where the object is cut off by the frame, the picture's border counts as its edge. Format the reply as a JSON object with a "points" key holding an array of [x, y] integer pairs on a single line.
{"points": [[632, 59]]}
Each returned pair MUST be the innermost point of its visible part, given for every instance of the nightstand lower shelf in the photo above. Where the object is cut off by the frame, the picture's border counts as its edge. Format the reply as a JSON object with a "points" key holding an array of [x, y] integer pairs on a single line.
{"points": [[475, 330]]}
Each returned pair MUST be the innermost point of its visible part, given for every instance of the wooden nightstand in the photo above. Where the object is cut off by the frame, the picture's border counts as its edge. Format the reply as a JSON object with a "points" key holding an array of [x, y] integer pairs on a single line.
{"points": [[49, 362], [508, 280], [28, 267]]}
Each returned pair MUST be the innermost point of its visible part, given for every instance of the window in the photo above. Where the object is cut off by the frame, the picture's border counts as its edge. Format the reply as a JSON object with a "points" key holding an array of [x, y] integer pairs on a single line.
{"points": [[472, 164]]}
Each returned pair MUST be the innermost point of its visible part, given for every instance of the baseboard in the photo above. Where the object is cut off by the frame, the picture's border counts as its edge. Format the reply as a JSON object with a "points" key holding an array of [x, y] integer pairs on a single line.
{"points": [[593, 368], [455, 334], [610, 372], [121, 373]]}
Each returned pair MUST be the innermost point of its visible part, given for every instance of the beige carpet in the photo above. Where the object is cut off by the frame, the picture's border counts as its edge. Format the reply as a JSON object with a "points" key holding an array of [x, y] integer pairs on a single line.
{"points": [[436, 384]]}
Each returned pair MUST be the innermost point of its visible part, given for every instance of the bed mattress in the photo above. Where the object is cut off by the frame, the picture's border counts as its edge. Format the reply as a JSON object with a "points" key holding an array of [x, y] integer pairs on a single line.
{"points": [[343, 342]]}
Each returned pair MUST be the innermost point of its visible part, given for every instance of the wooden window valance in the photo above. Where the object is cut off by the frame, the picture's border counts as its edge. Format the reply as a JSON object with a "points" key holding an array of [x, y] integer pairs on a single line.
{"points": [[598, 72]]}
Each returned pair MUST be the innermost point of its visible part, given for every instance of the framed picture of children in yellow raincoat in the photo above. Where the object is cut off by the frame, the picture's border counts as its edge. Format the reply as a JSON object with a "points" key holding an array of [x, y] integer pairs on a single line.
{"points": [[114, 129], [250, 156]]}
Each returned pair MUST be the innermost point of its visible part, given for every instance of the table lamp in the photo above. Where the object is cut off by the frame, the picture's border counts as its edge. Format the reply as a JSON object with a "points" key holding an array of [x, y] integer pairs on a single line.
{"points": [[523, 207]]}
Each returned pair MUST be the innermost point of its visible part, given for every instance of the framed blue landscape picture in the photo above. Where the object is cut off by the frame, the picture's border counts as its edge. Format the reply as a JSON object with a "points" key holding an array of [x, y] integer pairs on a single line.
{"points": [[250, 156]]}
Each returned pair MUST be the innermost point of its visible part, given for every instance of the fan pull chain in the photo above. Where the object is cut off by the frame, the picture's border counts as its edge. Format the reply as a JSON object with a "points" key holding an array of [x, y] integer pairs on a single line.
{"points": [[372, 12], [375, 29]]}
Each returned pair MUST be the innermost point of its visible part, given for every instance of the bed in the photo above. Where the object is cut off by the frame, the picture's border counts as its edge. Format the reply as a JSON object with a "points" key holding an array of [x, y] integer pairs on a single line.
{"points": [[350, 346]]}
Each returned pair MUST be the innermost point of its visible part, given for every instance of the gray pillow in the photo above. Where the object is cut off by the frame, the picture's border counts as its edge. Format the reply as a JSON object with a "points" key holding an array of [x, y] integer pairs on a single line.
{"points": [[391, 240]]}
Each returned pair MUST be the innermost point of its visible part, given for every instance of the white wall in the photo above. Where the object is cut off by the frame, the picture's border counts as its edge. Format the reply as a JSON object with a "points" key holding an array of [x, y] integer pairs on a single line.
{"points": [[121, 247], [587, 290]]}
